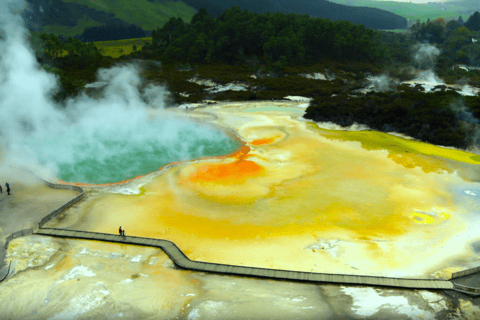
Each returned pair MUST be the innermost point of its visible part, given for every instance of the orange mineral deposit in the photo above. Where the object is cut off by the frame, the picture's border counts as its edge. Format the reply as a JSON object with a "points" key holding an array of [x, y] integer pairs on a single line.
{"points": [[263, 141], [227, 173]]}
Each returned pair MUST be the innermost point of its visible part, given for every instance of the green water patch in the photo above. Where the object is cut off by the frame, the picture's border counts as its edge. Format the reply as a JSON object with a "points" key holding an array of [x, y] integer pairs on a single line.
{"points": [[103, 147], [124, 160], [274, 108]]}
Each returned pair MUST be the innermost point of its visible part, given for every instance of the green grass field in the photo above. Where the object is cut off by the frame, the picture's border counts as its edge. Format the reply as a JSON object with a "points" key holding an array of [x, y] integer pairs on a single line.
{"points": [[408, 10], [116, 48], [142, 13], [145, 14], [71, 32]]}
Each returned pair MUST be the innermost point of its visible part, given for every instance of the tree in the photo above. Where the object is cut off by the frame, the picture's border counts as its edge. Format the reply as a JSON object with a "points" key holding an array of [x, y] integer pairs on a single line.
{"points": [[174, 28], [459, 37], [73, 46], [433, 32], [461, 56], [452, 25], [199, 16], [200, 46], [53, 46], [472, 52], [440, 21], [473, 23]]}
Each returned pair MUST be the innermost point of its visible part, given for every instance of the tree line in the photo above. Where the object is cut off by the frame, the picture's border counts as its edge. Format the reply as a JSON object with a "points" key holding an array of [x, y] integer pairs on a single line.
{"points": [[459, 42], [236, 36], [427, 117]]}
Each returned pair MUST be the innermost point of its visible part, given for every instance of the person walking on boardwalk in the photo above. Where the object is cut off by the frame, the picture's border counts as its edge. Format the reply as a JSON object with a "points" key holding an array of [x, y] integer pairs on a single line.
{"points": [[1, 191], [8, 188], [123, 233], [120, 231]]}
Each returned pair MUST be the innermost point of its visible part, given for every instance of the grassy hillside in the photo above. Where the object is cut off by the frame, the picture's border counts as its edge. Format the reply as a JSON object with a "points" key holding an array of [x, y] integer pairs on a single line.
{"points": [[71, 31], [83, 14], [117, 48], [408, 10]]}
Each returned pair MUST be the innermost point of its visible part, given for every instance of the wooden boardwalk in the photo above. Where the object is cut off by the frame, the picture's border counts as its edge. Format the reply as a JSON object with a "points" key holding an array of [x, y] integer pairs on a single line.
{"points": [[179, 258]]}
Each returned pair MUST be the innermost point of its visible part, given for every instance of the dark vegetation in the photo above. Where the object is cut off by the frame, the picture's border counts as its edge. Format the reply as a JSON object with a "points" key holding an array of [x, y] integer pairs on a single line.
{"points": [[282, 40], [427, 118], [111, 32], [57, 12], [370, 17], [277, 49]]}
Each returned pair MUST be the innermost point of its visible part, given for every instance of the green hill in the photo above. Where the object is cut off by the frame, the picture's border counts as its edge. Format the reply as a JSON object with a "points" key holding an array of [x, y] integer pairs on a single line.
{"points": [[71, 17], [409, 10]]}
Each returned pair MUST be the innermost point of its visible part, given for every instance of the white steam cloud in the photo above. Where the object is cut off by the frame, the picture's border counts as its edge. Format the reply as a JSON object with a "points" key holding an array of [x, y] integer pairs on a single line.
{"points": [[382, 83], [38, 135], [426, 55], [425, 58]]}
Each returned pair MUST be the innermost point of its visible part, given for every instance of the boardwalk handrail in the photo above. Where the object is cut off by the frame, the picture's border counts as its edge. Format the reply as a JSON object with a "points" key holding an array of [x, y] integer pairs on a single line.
{"points": [[466, 289], [465, 272], [48, 217], [55, 212], [182, 261], [21, 233], [8, 271]]}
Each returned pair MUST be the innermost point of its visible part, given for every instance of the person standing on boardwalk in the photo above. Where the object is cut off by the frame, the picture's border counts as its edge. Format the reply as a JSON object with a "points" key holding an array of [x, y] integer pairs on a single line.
{"points": [[8, 188], [1, 191], [120, 231], [123, 233]]}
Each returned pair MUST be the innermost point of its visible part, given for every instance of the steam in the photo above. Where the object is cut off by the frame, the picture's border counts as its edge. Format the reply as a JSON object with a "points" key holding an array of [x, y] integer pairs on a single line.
{"points": [[382, 83], [425, 58], [472, 124], [37, 134], [428, 79], [426, 55]]}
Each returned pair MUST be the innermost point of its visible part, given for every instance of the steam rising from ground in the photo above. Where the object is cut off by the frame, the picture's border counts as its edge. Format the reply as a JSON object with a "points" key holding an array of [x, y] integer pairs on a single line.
{"points": [[35, 133], [425, 58], [382, 83], [426, 55]]}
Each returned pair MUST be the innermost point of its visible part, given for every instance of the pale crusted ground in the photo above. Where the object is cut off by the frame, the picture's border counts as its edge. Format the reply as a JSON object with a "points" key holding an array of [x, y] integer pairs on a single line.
{"points": [[30, 200], [73, 279]]}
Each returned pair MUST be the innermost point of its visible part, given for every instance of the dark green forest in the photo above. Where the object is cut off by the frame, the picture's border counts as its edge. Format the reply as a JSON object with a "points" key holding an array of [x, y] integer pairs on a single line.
{"points": [[370, 17], [275, 37], [434, 118], [278, 48]]}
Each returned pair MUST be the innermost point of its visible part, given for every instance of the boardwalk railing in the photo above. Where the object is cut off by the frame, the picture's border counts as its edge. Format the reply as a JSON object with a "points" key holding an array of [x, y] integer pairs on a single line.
{"points": [[66, 205], [21, 233], [50, 216], [465, 272], [466, 289], [181, 260], [7, 271]]}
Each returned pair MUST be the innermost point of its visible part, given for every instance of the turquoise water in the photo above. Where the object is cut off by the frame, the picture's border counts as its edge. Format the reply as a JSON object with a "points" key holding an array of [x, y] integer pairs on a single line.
{"points": [[128, 160], [99, 152]]}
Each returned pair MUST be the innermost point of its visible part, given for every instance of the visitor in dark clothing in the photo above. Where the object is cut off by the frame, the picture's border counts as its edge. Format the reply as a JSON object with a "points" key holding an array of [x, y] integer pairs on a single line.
{"points": [[8, 188], [120, 231], [1, 191]]}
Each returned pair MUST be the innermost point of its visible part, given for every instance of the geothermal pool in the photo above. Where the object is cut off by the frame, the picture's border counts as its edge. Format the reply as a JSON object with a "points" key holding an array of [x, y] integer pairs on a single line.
{"points": [[299, 197], [117, 152]]}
